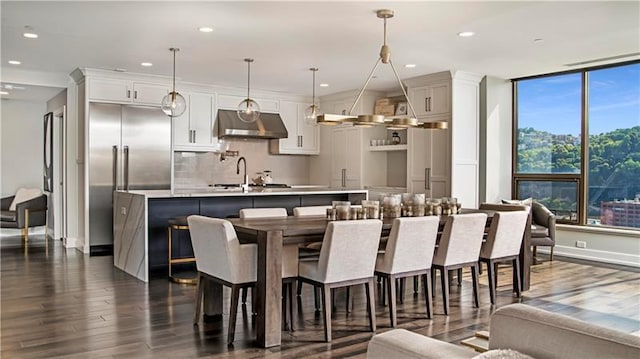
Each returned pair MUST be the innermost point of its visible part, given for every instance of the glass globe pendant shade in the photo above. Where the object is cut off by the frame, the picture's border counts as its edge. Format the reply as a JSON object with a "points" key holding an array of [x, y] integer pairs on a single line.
{"points": [[248, 111], [310, 114], [173, 104]]}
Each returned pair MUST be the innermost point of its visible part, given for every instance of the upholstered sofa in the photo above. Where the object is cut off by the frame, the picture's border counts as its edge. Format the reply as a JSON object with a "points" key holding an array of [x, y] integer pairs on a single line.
{"points": [[520, 328], [27, 208]]}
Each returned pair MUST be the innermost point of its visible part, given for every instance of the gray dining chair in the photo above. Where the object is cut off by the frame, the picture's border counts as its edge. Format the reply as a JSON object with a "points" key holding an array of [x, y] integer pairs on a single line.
{"points": [[409, 252], [503, 245], [459, 247], [222, 259], [289, 262], [347, 257]]}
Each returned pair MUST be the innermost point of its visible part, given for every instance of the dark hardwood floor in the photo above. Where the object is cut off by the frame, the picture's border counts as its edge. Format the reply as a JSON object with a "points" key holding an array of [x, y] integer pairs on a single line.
{"points": [[62, 303]]}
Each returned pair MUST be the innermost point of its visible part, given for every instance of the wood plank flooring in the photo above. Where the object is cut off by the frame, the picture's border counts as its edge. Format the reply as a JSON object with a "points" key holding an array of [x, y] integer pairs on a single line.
{"points": [[60, 303]]}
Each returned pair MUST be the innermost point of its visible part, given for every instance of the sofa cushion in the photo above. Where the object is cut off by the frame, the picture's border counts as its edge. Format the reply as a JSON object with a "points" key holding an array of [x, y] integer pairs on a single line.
{"points": [[502, 354], [24, 194], [8, 216], [525, 202]]}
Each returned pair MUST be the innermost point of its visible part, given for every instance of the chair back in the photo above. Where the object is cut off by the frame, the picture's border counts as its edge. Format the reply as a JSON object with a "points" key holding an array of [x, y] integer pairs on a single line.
{"points": [[505, 234], [310, 211], [263, 212], [461, 239], [349, 250], [218, 251], [411, 245]]}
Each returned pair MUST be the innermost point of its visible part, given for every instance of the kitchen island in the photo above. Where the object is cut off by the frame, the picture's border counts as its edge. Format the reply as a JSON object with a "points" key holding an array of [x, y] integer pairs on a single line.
{"points": [[140, 218]]}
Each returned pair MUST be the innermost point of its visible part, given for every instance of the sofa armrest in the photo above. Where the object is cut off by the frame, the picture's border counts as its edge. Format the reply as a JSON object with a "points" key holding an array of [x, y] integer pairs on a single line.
{"points": [[543, 334], [401, 343], [37, 212], [5, 203]]}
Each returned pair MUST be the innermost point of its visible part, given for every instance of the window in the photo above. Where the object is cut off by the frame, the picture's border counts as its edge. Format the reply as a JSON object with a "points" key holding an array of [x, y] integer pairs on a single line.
{"points": [[577, 144]]}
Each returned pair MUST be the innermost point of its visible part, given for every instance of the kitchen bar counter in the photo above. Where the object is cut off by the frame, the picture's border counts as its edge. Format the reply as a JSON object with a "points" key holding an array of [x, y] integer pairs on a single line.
{"points": [[140, 218]]}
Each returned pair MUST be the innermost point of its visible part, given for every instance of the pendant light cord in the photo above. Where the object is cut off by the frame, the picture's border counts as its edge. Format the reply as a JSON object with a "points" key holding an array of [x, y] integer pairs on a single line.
{"points": [[248, 77], [314, 86], [174, 70]]}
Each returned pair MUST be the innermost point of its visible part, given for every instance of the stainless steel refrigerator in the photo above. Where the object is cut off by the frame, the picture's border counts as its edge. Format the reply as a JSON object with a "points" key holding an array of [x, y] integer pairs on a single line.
{"points": [[129, 149]]}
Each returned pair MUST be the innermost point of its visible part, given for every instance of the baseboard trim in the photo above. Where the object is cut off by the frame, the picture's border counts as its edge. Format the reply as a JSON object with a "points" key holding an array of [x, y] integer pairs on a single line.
{"points": [[101, 250], [72, 243], [594, 255]]}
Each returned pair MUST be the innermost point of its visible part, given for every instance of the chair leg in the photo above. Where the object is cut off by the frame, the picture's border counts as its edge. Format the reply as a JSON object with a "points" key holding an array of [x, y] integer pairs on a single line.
{"points": [[199, 294], [348, 300], [26, 226], [244, 295], [551, 254], [326, 306], [433, 281], [427, 292], [516, 283], [535, 252], [316, 298], [285, 305], [459, 277], [233, 313], [371, 304], [299, 289], [392, 300], [384, 291], [474, 274], [492, 282], [444, 279], [415, 284], [402, 286], [293, 308]]}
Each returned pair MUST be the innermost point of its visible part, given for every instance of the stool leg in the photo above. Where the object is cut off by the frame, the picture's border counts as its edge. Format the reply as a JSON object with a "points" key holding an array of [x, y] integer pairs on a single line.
{"points": [[170, 257]]}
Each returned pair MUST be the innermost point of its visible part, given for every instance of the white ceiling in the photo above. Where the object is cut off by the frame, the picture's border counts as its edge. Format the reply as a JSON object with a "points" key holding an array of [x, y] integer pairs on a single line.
{"points": [[342, 39]]}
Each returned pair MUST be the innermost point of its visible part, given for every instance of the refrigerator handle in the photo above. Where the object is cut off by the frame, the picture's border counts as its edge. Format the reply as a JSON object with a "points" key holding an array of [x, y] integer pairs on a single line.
{"points": [[126, 167], [114, 169]]}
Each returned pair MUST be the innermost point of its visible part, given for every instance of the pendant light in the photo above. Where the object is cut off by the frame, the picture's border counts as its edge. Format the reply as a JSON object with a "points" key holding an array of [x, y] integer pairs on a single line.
{"points": [[248, 109], [311, 112], [369, 120], [173, 104]]}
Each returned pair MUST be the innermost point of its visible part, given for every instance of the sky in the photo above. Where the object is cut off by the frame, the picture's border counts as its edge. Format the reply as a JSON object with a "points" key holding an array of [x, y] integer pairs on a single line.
{"points": [[553, 103]]}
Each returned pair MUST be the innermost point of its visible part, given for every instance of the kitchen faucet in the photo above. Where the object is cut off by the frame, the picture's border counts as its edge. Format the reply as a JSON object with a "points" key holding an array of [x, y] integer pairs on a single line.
{"points": [[245, 182]]}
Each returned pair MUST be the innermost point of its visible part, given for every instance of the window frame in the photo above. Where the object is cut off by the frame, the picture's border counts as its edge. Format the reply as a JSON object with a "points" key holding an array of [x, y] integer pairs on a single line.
{"points": [[583, 176]]}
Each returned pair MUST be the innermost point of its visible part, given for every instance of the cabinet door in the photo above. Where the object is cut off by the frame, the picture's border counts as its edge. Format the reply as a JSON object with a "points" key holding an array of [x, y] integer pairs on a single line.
{"points": [[182, 134], [431, 100], [200, 118], [289, 115], [428, 162], [353, 155], [309, 133], [338, 159], [149, 94], [110, 90]]}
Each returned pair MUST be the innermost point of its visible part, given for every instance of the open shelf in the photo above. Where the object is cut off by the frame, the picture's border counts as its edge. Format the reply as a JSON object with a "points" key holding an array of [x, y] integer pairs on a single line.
{"points": [[388, 148]]}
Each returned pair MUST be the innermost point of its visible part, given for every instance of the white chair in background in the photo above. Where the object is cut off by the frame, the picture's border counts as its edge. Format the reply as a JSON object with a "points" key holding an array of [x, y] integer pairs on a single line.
{"points": [[222, 259], [289, 261], [347, 257], [409, 252], [310, 211], [459, 247], [503, 245]]}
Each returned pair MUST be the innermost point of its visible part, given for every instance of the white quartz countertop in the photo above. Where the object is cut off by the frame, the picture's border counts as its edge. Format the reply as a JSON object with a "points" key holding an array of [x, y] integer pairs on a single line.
{"points": [[254, 191]]}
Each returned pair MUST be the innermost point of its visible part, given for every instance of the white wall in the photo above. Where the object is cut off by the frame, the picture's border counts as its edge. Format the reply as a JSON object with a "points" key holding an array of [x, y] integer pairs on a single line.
{"points": [[22, 137], [495, 144]]}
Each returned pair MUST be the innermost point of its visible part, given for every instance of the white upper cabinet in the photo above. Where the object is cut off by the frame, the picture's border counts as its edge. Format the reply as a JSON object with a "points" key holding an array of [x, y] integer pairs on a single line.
{"points": [[432, 100], [231, 102], [428, 162], [124, 91], [194, 129], [303, 138]]}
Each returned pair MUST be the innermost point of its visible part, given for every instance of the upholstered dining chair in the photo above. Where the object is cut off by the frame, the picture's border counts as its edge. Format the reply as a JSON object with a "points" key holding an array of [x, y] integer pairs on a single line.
{"points": [[347, 257], [543, 228], [459, 247], [503, 245], [307, 211], [222, 259], [409, 252], [289, 262]]}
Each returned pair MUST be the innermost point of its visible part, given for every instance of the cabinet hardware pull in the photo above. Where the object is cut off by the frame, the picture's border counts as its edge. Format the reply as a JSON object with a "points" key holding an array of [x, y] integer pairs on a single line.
{"points": [[427, 179], [135, 95], [114, 170], [128, 93], [301, 141], [344, 177], [194, 136], [126, 168]]}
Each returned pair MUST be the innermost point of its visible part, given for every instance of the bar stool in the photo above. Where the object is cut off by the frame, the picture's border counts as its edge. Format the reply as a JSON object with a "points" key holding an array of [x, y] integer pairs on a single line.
{"points": [[179, 224]]}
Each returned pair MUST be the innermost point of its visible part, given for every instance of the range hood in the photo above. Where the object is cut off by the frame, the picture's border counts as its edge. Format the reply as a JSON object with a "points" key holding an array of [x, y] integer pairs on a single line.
{"points": [[268, 126]]}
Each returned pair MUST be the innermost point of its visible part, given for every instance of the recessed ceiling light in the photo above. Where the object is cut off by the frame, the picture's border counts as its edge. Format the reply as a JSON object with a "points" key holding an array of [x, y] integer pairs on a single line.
{"points": [[4, 93], [205, 29], [146, 64], [324, 85], [30, 35], [538, 40], [14, 62], [466, 33], [410, 66]]}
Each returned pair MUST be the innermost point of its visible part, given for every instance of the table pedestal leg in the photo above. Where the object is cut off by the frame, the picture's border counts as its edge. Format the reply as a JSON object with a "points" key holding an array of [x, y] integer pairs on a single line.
{"points": [[269, 289]]}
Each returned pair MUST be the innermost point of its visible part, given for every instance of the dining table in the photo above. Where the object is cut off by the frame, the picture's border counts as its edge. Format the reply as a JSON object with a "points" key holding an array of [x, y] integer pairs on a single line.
{"points": [[270, 235]]}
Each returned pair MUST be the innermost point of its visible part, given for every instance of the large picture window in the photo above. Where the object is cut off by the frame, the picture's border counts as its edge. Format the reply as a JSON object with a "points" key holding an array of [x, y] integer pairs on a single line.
{"points": [[577, 144]]}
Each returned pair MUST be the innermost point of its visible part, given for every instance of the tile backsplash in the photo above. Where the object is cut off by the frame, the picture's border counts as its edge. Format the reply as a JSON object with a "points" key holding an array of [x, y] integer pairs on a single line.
{"points": [[201, 169]]}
